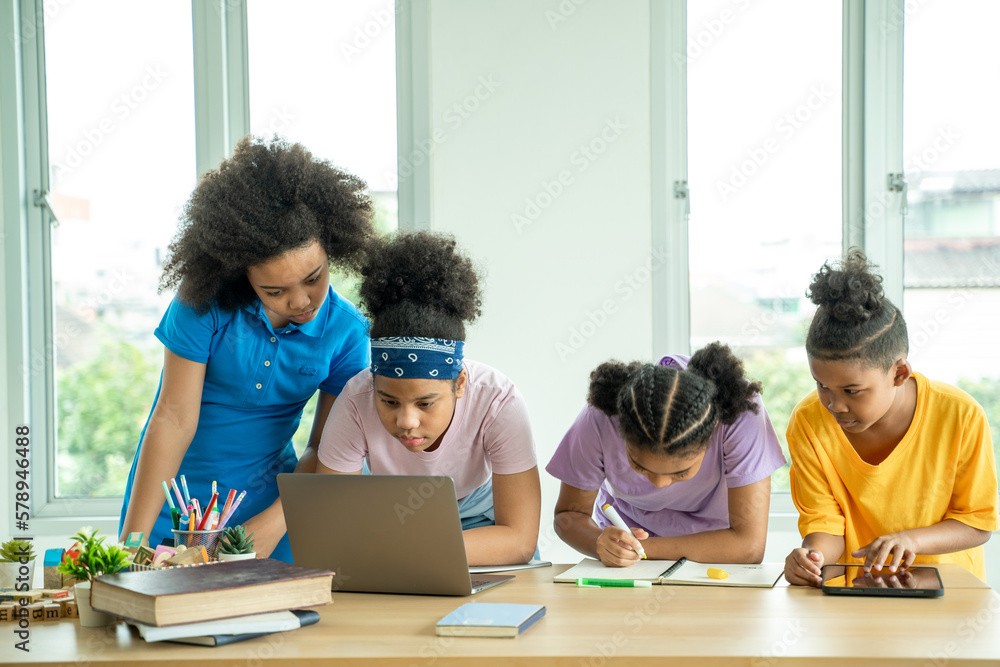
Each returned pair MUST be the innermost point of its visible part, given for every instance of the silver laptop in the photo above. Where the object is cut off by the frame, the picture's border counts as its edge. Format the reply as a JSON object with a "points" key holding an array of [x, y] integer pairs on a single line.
{"points": [[380, 533]]}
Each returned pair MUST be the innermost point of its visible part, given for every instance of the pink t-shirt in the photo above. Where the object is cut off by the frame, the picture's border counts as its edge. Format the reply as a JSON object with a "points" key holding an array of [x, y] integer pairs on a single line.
{"points": [[592, 456], [489, 433]]}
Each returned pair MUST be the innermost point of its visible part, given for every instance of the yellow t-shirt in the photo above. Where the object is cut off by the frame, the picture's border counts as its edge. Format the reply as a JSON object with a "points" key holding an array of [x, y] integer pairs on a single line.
{"points": [[943, 468]]}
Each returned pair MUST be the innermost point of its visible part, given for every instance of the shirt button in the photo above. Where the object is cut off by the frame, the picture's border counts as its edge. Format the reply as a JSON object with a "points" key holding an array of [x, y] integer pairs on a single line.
{"points": [[259, 385], [273, 339], [267, 363]]}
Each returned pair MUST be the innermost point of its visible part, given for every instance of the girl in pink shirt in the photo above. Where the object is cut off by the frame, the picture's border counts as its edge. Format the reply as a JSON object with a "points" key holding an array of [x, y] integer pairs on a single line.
{"points": [[421, 409]]}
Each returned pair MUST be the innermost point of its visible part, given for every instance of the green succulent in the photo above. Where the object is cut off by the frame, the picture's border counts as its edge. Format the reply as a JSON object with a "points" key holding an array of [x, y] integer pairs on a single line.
{"points": [[95, 559], [14, 550], [236, 541]]}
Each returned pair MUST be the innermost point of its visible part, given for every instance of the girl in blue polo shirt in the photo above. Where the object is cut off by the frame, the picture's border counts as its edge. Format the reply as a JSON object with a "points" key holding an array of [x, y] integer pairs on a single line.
{"points": [[254, 330]]}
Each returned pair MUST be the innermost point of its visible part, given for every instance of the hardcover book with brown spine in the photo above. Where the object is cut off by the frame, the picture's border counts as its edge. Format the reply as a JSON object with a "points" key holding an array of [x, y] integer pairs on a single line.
{"points": [[211, 591]]}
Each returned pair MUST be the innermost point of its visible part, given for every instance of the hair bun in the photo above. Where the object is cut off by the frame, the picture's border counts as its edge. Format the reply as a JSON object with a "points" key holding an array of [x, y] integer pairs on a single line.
{"points": [[420, 271], [851, 292], [606, 382]]}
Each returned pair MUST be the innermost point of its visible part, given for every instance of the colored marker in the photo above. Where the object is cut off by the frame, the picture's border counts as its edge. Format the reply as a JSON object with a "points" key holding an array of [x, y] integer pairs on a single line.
{"points": [[175, 517], [166, 492], [232, 510], [191, 518], [616, 521], [180, 498], [184, 487], [197, 511], [207, 516], [615, 583], [228, 505]]}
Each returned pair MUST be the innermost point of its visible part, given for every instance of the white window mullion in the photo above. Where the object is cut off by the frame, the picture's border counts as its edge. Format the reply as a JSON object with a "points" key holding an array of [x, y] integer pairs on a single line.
{"points": [[853, 180], [413, 113], [13, 213], [671, 293], [31, 399], [221, 79], [882, 222]]}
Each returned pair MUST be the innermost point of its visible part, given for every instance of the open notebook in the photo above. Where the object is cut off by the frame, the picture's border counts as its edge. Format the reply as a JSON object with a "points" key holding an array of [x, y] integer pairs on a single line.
{"points": [[689, 573]]}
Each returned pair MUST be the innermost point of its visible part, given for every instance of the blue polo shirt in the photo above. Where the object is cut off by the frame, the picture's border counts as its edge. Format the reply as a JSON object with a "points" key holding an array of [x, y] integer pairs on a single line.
{"points": [[257, 380]]}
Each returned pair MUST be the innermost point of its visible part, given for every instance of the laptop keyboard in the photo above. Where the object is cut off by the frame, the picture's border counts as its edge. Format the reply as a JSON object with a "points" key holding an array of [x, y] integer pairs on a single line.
{"points": [[478, 582]]}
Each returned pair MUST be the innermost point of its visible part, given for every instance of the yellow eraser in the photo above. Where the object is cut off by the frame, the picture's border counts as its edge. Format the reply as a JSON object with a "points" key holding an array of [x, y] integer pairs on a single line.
{"points": [[716, 573]]}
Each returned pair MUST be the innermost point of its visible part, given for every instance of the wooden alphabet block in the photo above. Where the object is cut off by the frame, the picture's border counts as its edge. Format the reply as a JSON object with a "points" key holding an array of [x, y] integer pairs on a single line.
{"points": [[143, 556], [31, 596], [36, 612], [69, 608], [134, 540], [6, 612], [52, 578], [9, 595], [53, 612]]}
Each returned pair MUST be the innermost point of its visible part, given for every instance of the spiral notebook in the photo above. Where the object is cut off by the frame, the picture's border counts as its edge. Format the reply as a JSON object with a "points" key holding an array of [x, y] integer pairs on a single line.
{"points": [[680, 572]]}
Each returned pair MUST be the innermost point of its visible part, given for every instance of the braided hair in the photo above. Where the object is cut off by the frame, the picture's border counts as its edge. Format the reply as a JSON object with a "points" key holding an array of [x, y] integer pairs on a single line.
{"points": [[854, 319], [669, 411]]}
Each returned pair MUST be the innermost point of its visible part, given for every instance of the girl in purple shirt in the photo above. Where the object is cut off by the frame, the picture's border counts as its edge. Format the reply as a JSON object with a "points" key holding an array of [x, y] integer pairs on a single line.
{"points": [[683, 450]]}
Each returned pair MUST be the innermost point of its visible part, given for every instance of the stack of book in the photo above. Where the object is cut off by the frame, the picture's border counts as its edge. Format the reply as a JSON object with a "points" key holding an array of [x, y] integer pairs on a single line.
{"points": [[215, 603]]}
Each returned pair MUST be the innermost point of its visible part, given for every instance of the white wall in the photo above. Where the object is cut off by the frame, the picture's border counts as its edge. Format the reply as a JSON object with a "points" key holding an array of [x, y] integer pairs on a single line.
{"points": [[552, 90], [531, 87]]}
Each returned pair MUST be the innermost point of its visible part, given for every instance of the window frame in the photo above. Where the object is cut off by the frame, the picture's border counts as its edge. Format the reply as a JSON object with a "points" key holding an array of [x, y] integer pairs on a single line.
{"points": [[872, 149], [222, 116]]}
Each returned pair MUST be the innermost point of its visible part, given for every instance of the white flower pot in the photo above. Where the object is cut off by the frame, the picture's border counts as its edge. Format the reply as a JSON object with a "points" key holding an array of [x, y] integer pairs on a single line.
{"points": [[88, 617], [222, 556], [9, 572]]}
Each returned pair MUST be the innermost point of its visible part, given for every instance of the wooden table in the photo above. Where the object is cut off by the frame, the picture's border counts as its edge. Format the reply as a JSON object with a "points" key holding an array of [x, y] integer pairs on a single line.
{"points": [[588, 627]]}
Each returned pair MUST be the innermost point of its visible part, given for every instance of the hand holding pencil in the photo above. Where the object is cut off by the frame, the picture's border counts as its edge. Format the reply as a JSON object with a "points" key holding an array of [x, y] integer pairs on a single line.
{"points": [[617, 545]]}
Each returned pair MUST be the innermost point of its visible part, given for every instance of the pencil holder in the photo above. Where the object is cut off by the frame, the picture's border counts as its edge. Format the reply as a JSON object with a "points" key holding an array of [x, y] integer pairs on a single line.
{"points": [[198, 538]]}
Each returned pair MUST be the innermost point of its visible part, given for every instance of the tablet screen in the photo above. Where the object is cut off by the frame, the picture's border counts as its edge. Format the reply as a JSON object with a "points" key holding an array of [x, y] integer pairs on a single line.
{"points": [[852, 579]]}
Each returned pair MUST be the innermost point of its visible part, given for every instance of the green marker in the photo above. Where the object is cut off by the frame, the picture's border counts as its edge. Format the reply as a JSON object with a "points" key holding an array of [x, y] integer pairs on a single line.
{"points": [[614, 583]]}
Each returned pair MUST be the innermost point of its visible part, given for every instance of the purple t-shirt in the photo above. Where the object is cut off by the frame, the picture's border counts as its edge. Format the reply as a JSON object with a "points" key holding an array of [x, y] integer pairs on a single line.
{"points": [[592, 456]]}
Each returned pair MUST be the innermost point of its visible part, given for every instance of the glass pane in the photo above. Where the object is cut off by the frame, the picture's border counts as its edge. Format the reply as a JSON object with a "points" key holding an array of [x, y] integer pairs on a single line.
{"points": [[323, 74], [121, 150], [951, 157], [764, 167]]}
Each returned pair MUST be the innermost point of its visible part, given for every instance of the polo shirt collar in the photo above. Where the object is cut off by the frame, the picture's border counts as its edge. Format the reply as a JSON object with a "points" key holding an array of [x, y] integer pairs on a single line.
{"points": [[314, 327]]}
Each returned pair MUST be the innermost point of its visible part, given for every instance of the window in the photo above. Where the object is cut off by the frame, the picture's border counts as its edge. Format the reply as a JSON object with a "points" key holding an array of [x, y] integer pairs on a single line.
{"points": [[329, 83], [951, 161], [764, 153], [121, 164]]}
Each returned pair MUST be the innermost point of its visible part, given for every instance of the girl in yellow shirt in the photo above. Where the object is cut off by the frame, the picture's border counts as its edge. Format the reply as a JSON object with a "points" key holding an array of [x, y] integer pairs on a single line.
{"points": [[889, 468]]}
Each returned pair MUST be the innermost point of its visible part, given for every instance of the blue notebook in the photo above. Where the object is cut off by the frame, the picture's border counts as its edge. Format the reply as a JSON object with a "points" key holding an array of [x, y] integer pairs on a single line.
{"points": [[227, 631], [489, 619]]}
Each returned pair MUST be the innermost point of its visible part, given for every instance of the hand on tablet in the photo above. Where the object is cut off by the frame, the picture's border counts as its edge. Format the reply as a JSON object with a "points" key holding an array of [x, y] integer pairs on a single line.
{"points": [[894, 550], [901, 579], [803, 567], [615, 547]]}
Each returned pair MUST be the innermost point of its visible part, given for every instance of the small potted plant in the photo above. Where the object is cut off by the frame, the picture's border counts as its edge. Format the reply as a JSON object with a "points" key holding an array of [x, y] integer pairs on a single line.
{"points": [[236, 544], [94, 559], [17, 563]]}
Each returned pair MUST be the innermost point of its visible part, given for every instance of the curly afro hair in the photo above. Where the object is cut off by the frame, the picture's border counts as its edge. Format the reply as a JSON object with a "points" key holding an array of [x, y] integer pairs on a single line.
{"points": [[854, 320], [268, 198], [669, 411], [419, 284]]}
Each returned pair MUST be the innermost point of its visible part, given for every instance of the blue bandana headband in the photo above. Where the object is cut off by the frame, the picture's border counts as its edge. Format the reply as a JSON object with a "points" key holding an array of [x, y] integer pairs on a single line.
{"points": [[426, 358]]}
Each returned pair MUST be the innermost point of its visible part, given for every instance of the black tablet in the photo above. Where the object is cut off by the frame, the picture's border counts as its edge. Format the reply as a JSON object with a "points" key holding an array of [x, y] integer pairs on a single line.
{"points": [[919, 582]]}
